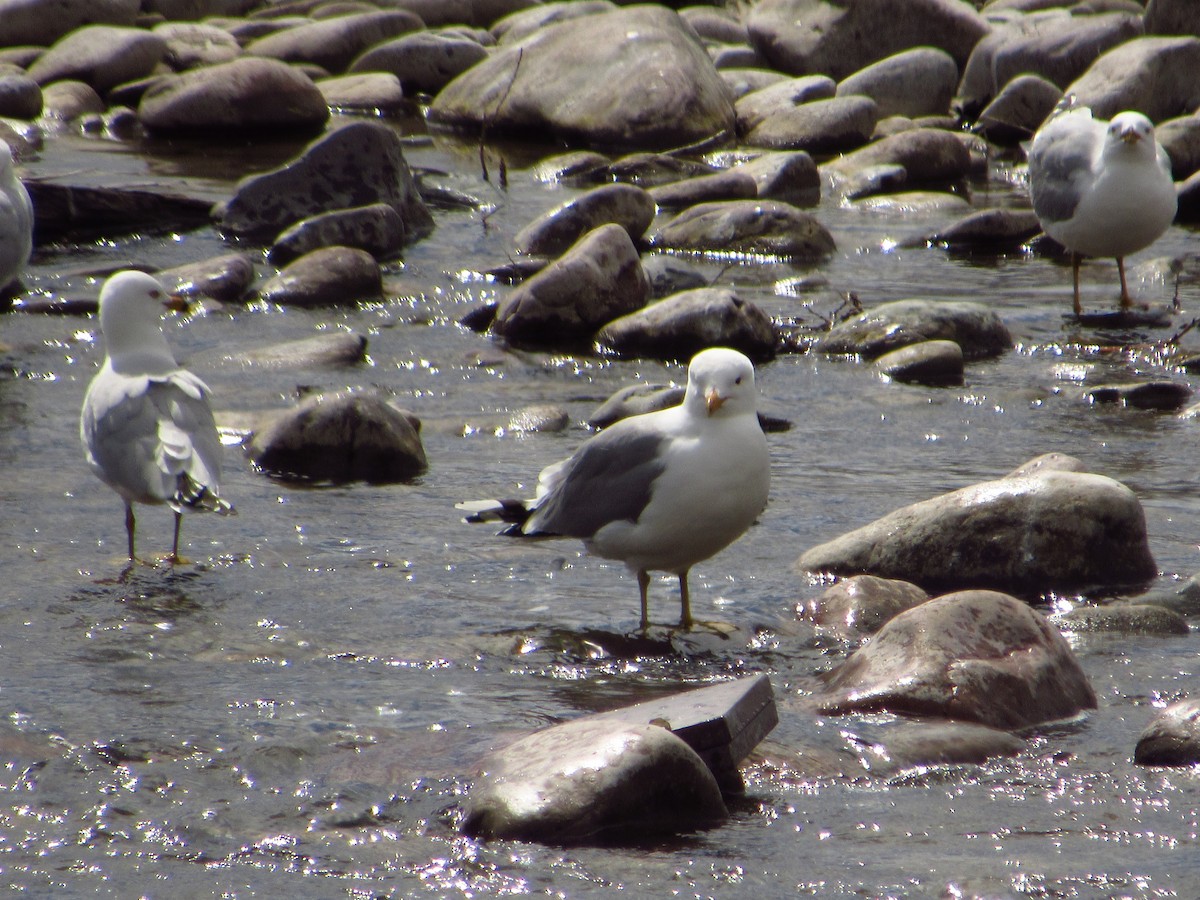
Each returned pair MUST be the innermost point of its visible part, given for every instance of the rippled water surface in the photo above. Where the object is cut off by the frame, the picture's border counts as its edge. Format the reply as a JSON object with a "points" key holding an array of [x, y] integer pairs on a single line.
{"points": [[297, 712]]}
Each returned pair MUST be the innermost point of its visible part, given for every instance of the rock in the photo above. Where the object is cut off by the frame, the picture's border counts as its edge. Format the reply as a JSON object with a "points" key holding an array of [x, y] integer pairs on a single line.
{"points": [[860, 605], [424, 61], [726, 185], [927, 362], [837, 38], [1050, 530], [633, 77], [746, 226], [476, 13], [787, 176], [192, 44], [334, 43], [520, 24], [595, 281], [1172, 17], [668, 274], [340, 438], [20, 97], [245, 95], [575, 165], [975, 656], [552, 233], [906, 203], [543, 418], [684, 324], [633, 401], [226, 278], [1018, 110], [85, 209], [1160, 395], [735, 56], [1172, 738], [1123, 618], [27, 21], [926, 154], [355, 165], [331, 276], [916, 82], [1180, 137], [870, 180], [757, 106], [649, 169], [68, 100], [889, 751], [589, 780], [366, 91], [1154, 75], [889, 326], [1189, 199], [820, 126], [376, 228], [101, 56], [744, 81], [335, 348], [175, 10], [989, 230], [716, 24]]}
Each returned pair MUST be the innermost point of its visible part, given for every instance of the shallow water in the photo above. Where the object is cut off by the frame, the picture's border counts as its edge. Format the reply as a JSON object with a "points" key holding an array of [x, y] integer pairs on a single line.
{"points": [[298, 710]]}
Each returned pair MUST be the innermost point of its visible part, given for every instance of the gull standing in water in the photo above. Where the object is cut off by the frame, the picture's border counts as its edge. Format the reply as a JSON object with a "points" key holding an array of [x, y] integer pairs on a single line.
{"points": [[147, 429], [1100, 188], [16, 221], [663, 490]]}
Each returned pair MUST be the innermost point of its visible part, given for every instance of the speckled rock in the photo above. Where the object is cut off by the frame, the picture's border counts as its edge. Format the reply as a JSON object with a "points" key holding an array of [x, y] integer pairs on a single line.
{"points": [[598, 279], [331, 276], [973, 326], [926, 362], [340, 438], [634, 77], [376, 228], [820, 126], [1172, 738], [588, 780], [101, 56], [859, 606], [1122, 618], [553, 232], [424, 61], [1154, 75], [680, 326], [746, 226], [913, 83], [355, 165], [27, 22], [226, 277], [334, 43], [977, 656], [1047, 530]]}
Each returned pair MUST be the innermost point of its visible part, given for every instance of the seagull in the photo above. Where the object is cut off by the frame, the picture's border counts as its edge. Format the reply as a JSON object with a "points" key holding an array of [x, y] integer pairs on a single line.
{"points": [[1100, 188], [659, 491], [147, 429], [16, 221]]}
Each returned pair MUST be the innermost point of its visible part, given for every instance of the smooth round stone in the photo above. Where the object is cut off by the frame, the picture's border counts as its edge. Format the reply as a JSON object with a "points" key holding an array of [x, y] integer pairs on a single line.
{"points": [[334, 43], [32, 22], [366, 91], [552, 233], [226, 278], [933, 363], [972, 326], [926, 154], [916, 82], [192, 44], [338, 348], [1122, 618], [1160, 395], [521, 23], [423, 61], [745, 81], [746, 226], [376, 228], [715, 23], [332, 276], [1180, 137], [578, 164], [101, 56], [860, 605], [69, 100], [668, 274], [1018, 110], [20, 97], [727, 185], [633, 401], [1172, 738], [910, 202], [820, 126], [989, 229], [1154, 75], [786, 176], [542, 418]]}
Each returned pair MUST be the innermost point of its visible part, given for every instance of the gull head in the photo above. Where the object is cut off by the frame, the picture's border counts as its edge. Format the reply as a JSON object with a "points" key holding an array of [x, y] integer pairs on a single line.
{"points": [[131, 307], [721, 383], [1131, 129]]}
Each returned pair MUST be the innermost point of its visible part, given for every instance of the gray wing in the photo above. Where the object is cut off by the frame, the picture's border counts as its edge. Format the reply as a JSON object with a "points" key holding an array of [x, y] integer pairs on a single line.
{"points": [[1060, 165], [609, 479]]}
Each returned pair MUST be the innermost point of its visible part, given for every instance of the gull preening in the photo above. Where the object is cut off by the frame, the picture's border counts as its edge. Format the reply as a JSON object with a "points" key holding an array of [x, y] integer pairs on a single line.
{"points": [[1100, 188], [16, 221], [147, 428], [663, 490]]}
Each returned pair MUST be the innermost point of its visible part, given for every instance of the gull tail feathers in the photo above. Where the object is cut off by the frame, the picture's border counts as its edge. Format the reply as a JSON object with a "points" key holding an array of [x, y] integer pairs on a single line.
{"points": [[192, 494]]}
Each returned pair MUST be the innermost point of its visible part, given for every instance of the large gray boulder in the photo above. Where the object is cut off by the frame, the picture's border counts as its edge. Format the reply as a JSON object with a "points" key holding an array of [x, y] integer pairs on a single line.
{"points": [[901, 323], [1154, 75], [102, 56], [28, 21], [1041, 529], [913, 83], [634, 77], [977, 656]]}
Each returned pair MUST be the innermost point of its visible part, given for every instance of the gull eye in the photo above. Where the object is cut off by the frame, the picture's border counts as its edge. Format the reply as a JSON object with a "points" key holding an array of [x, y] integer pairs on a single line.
{"points": [[156, 294], [738, 380]]}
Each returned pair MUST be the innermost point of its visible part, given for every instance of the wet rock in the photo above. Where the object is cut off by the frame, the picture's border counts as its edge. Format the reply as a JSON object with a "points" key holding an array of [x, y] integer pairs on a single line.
{"points": [[101, 56], [994, 230], [906, 745], [192, 44], [1018, 110], [340, 438], [1189, 199], [1154, 75], [1172, 17], [226, 278], [684, 324], [744, 81], [633, 401], [20, 97], [859, 606], [789, 177], [746, 226], [424, 61], [730, 184], [932, 363], [926, 154], [1160, 395], [821, 126], [1180, 137], [633, 77], [552, 233], [595, 281], [669, 274], [61, 207], [338, 348], [334, 43], [1122, 618], [356, 165], [245, 95], [590, 780], [543, 418], [916, 82], [1172, 738], [376, 228], [803, 36], [715, 23], [331, 276], [366, 91], [910, 202], [757, 106], [577, 164], [890, 326], [870, 180], [976, 656], [27, 22], [1049, 530], [68, 100], [649, 169]]}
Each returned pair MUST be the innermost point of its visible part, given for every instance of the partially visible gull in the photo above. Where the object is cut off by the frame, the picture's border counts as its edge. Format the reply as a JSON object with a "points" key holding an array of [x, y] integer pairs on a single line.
{"points": [[663, 490], [16, 221], [147, 429], [1100, 188]]}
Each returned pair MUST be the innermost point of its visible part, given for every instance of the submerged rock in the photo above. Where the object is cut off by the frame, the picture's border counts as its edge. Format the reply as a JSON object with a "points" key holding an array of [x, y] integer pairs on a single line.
{"points": [[859, 606], [927, 362], [330, 276], [1172, 738], [1123, 618], [978, 656], [225, 278], [339, 348], [974, 327]]}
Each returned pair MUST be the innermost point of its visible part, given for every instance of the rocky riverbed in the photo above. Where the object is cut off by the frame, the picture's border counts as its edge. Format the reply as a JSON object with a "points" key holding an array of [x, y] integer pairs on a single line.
{"points": [[425, 245]]}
